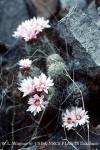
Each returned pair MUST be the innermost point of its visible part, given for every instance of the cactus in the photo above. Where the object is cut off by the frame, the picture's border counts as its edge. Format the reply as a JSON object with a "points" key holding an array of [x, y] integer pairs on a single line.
{"points": [[43, 47], [31, 47], [51, 96], [75, 95], [34, 71], [53, 58], [20, 77], [56, 70], [55, 66]]}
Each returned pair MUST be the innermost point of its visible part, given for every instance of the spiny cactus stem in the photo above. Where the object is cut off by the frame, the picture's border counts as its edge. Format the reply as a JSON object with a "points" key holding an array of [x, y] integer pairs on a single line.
{"points": [[45, 40]]}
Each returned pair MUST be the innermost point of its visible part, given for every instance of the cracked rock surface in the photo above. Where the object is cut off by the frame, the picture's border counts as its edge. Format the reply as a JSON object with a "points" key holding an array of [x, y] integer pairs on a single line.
{"points": [[83, 35]]}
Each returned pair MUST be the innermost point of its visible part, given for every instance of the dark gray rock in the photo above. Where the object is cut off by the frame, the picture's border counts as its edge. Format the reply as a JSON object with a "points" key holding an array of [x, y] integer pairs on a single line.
{"points": [[98, 9], [80, 31], [73, 3], [12, 13], [31, 8], [92, 11], [97, 2], [74, 93]]}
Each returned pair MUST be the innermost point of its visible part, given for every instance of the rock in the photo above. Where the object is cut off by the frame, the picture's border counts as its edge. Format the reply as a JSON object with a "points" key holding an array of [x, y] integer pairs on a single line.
{"points": [[12, 13], [98, 11], [3, 50], [45, 8], [31, 8], [75, 95], [98, 128], [83, 36], [97, 2], [80, 3], [92, 11]]}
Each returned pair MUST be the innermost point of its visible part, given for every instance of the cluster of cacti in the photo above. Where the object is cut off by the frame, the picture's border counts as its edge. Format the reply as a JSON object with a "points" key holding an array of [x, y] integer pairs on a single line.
{"points": [[38, 86], [75, 96], [40, 47], [55, 66]]}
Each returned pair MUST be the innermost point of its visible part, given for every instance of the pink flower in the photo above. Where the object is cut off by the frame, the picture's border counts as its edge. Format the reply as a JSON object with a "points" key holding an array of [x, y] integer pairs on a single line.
{"points": [[75, 117], [27, 86], [40, 24], [68, 120], [25, 64], [36, 104], [43, 83], [29, 29], [81, 116]]}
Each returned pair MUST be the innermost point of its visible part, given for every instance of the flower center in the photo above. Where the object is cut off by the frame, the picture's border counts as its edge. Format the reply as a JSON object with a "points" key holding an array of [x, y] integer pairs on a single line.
{"points": [[23, 69], [69, 120], [26, 67], [37, 102], [78, 117], [42, 84]]}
